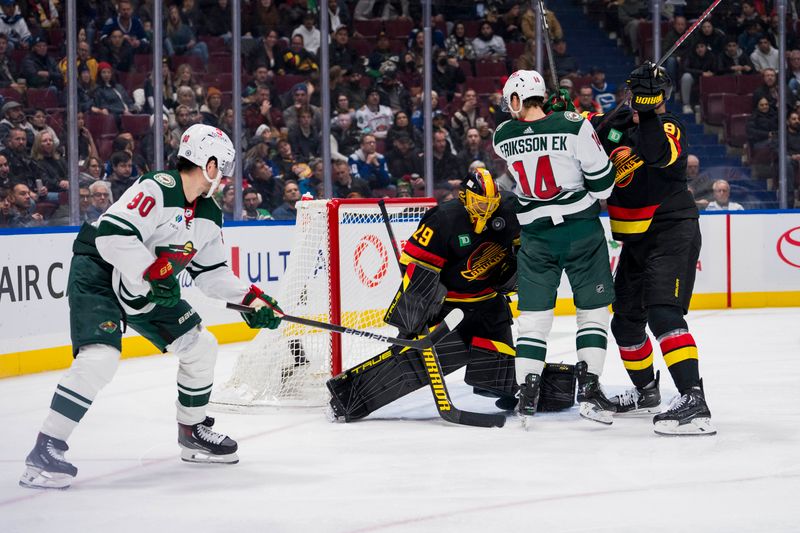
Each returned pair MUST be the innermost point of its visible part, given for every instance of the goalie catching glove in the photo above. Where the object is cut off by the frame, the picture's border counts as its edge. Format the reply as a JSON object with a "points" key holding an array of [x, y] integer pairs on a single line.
{"points": [[265, 306], [164, 287]]}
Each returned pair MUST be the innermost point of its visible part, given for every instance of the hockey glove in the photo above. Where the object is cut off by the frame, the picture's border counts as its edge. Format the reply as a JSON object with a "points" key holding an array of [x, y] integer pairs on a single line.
{"points": [[558, 101], [650, 87], [164, 287], [265, 306]]}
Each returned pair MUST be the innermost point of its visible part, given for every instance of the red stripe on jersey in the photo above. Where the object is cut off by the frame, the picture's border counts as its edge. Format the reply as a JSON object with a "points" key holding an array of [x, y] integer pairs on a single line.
{"points": [[423, 255], [676, 342], [631, 213], [486, 344], [484, 292], [675, 143], [636, 354]]}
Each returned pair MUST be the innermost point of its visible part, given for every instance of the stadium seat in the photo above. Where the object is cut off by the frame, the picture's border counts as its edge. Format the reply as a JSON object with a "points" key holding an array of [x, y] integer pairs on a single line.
{"points": [[466, 68], [736, 130], [10, 94], [482, 85], [397, 46], [490, 69], [215, 44], [714, 113], [748, 84], [715, 84], [224, 82], [368, 28], [144, 63], [100, 124], [285, 83], [739, 104], [363, 47], [104, 146], [219, 64], [471, 28], [136, 125], [132, 80], [17, 55], [398, 28], [514, 49], [42, 98]]}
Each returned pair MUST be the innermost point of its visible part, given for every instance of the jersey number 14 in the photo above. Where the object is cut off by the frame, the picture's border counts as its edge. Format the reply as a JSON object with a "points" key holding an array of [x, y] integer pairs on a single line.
{"points": [[544, 183]]}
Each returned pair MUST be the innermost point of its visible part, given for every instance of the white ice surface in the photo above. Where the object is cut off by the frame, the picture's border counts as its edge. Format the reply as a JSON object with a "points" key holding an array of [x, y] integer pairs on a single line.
{"points": [[404, 469]]}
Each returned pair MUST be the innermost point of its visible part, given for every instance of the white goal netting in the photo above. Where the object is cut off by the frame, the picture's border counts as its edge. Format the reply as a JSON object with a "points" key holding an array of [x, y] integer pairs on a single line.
{"points": [[341, 270]]}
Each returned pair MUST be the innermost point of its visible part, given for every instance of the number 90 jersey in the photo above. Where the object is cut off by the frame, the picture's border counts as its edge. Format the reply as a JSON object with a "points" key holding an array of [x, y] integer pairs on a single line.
{"points": [[558, 163], [153, 219]]}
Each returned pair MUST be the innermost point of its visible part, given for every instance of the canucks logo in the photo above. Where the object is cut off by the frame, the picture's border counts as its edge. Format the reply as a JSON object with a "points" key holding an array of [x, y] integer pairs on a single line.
{"points": [[479, 265]]}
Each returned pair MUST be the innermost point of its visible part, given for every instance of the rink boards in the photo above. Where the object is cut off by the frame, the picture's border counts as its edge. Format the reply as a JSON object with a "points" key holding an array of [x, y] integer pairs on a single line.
{"points": [[748, 260]]}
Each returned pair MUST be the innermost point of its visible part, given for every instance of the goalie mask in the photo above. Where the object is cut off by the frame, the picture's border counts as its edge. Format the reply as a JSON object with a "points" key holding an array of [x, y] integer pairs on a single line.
{"points": [[201, 143], [480, 196]]}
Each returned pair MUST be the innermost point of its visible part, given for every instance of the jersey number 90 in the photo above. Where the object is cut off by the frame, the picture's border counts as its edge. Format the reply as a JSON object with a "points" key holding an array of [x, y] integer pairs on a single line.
{"points": [[544, 183]]}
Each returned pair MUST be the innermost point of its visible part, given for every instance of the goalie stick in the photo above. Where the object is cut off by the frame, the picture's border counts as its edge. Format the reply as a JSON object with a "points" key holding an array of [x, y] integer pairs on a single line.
{"points": [[664, 57], [450, 322], [433, 367]]}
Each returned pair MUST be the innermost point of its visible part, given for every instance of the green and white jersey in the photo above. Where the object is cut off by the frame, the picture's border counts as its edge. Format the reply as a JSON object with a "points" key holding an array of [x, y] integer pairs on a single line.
{"points": [[558, 163], [153, 219]]}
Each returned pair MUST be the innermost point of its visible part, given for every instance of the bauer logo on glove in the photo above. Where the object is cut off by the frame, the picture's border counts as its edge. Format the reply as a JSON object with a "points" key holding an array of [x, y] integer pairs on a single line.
{"points": [[625, 162]]}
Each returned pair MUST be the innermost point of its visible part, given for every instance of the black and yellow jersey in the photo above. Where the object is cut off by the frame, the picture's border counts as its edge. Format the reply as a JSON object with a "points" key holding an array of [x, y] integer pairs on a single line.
{"points": [[469, 264]]}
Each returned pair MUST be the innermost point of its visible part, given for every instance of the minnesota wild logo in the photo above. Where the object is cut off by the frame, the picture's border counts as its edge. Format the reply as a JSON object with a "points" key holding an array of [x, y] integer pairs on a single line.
{"points": [[179, 255], [108, 326]]}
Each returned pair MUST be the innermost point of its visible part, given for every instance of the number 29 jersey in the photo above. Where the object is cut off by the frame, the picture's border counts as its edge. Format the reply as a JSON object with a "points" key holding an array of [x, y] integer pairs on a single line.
{"points": [[559, 165]]}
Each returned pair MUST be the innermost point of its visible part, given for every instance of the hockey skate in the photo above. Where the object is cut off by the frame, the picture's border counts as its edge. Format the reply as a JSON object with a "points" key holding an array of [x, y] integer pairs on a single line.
{"points": [[594, 405], [528, 399], [638, 401], [687, 414], [46, 467], [200, 444]]}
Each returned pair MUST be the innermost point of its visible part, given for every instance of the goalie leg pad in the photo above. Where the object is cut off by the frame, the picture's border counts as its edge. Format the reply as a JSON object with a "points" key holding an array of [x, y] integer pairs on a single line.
{"points": [[491, 368], [558, 387], [393, 373], [418, 300]]}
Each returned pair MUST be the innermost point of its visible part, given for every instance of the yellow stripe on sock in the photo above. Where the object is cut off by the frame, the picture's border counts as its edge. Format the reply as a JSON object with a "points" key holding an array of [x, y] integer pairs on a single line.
{"points": [[638, 365], [681, 354]]}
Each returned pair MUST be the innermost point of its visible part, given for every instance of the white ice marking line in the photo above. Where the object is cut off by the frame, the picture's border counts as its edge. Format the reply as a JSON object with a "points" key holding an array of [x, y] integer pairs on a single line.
{"points": [[35, 493], [546, 499]]}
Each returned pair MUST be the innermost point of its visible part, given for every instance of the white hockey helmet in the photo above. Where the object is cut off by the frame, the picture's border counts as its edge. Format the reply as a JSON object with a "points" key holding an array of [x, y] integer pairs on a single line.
{"points": [[200, 143], [525, 83]]}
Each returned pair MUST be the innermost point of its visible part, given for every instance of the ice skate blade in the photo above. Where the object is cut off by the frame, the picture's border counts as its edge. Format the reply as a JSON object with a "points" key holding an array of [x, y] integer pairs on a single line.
{"points": [[644, 411], [526, 421], [201, 456], [698, 427], [590, 412], [36, 478], [331, 415]]}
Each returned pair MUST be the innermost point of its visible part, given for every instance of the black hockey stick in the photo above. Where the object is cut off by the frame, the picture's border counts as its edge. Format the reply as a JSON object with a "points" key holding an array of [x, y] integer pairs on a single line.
{"points": [[664, 57], [547, 46], [433, 367], [449, 323]]}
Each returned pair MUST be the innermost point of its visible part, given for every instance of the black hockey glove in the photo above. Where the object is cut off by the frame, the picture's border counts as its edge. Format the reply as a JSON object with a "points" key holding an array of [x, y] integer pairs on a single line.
{"points": [[650, 86]]}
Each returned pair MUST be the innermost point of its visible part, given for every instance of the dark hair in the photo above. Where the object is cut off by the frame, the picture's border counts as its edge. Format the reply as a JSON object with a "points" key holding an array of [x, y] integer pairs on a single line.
{"points": [[120, 143], [533, 101], [119, 157], [249, 190]]}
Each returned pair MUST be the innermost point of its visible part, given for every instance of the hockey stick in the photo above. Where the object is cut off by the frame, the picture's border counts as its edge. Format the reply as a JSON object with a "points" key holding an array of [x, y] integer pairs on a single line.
{"points": [[547, 46], [433, 367], [664, 57], [449, 323]]}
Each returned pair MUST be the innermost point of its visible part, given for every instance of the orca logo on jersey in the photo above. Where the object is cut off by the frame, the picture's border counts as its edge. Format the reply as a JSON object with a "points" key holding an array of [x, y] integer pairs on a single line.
{"points": [[480, 263], [625, 162]]}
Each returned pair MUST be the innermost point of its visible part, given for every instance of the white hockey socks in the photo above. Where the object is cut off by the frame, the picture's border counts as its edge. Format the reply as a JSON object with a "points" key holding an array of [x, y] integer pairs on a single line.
{"points": [[197, 354], [592, 338], [534, 328], [90, 371]]}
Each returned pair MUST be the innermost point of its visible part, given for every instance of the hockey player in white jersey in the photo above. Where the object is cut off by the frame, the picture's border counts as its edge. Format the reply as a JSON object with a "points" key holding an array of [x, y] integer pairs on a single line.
{"points": [[561, 171], [123, 273]]}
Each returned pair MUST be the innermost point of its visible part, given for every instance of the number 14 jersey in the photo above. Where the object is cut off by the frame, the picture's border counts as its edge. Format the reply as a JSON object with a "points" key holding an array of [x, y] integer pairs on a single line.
{"points": [[559, 166]]}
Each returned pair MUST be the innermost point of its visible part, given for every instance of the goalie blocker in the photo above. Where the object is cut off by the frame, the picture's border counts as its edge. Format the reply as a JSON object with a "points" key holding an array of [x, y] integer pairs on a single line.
{"points": [[482, 342]]}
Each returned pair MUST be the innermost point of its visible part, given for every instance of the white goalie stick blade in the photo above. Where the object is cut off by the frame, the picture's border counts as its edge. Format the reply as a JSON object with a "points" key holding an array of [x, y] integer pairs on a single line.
{"points": [[697, 427], [589, 411]]}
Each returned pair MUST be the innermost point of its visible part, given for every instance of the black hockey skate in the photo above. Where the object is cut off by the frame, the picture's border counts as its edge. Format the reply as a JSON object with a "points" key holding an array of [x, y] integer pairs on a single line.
{"points": [[529, 398], [638, 401], [200, 444], [594, 405], [687, 414], [46, 467]]}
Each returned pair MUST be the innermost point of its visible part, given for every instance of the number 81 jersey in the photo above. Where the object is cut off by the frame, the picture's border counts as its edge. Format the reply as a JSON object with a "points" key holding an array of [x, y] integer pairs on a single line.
{"points": [[559, 166]]}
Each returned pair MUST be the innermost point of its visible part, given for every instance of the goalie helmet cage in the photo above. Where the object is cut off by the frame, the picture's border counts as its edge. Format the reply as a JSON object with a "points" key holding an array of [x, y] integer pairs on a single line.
{"points": [[341, 270]]}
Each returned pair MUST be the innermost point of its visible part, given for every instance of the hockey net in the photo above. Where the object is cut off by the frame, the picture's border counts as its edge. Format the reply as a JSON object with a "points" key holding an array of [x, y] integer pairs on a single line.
{"points": [[341, 270]]}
